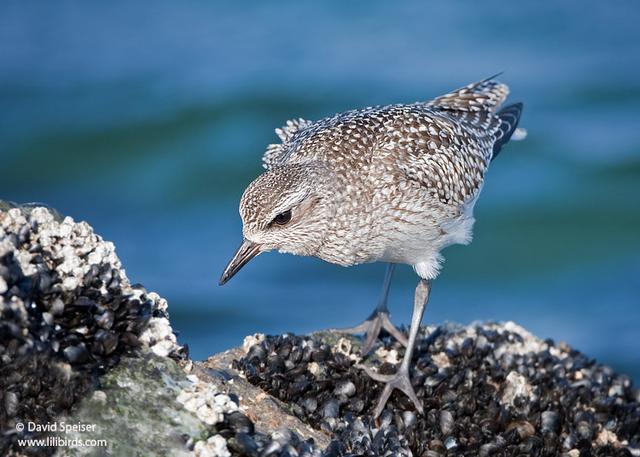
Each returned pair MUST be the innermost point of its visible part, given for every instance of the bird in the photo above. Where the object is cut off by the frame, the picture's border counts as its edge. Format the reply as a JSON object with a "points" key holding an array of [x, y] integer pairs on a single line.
{"points": [[394, 184]]}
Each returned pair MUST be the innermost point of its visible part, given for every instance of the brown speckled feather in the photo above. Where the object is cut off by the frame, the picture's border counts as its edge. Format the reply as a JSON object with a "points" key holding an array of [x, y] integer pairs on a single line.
{"points": [[445, 144]]}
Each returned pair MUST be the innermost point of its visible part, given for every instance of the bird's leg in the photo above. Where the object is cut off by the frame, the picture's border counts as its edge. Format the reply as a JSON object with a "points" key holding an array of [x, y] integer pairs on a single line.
{"points": [[378, 320], [401, 380]]}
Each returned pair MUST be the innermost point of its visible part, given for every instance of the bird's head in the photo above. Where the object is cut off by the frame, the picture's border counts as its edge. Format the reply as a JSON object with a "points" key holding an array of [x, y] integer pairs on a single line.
{"points": [[289, 209]]}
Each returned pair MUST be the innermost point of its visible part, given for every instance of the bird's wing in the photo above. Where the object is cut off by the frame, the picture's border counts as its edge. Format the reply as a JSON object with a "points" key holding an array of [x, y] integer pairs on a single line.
{"points": [[276, 152], [475, 104], [447, 157], [461, 132], [485, 95]]}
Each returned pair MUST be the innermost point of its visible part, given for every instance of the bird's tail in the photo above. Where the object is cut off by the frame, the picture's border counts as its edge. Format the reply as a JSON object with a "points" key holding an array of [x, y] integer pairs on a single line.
{"points": [[509, 117]]}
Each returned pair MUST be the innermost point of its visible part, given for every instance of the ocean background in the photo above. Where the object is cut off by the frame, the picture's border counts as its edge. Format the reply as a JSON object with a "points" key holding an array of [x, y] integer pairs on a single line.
{"points": [[148, 119]]}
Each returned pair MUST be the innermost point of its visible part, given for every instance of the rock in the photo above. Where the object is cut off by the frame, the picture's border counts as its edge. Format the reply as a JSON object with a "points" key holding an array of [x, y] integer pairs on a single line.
{"points": [[80, 344], [68, 314], [139, 410], [266, 412], [511, 397]]}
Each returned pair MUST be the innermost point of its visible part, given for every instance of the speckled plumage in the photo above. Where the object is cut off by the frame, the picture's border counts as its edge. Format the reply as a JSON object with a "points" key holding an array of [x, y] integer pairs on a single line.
{"points": [[395, 183]]}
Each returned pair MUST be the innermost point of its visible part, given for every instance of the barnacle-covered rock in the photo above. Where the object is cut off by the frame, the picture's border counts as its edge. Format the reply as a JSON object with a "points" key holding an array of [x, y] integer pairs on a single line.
{"points": [[80, 344], [67, 315]]}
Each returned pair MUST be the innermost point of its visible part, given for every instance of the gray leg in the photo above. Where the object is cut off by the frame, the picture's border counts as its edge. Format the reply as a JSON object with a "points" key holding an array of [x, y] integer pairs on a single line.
{"points": [[401, 380], [379, 319]]}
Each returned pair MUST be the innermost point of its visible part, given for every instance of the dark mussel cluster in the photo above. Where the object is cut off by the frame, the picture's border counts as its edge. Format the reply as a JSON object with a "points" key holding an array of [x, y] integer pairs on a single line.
{"points": [[487, 390], [243, 439], [67, 314]]}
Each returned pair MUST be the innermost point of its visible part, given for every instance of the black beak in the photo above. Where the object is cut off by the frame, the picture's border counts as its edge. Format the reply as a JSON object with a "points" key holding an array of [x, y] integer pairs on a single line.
{"points": [[247, 251]]}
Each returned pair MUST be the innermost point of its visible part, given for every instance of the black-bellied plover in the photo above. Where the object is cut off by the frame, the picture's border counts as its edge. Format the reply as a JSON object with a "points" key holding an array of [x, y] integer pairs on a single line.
{"points": [[393, 184]]}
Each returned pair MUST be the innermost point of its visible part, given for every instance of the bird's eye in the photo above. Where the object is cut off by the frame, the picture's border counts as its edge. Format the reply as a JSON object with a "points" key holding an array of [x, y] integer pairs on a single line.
{"points": [[282, 218]]}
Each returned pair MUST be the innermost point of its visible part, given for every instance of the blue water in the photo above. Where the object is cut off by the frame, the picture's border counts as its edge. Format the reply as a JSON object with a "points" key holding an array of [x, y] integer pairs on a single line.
{"points": [[149, 119]]}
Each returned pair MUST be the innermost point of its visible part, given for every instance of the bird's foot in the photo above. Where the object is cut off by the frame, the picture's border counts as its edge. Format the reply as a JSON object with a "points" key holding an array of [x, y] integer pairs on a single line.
{"points": [[400, 380], [371, 328]]}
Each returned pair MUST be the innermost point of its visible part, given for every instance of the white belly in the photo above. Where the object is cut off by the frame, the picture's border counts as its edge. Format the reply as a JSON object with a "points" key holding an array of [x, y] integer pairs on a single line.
{"points": [[420, 247]]}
